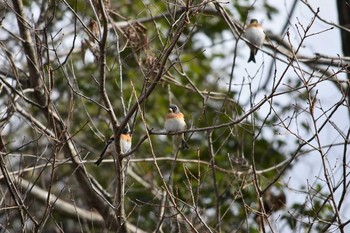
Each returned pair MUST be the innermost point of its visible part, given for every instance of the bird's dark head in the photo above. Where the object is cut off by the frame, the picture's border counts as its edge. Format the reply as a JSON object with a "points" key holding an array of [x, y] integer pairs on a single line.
{"points": [[173, 108], [126, 130], [254, 21]]}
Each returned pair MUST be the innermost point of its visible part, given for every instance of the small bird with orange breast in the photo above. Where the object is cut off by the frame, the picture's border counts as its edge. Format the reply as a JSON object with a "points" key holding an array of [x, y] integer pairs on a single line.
{"points": [[254, 33], [110, 150], [175, 122]]}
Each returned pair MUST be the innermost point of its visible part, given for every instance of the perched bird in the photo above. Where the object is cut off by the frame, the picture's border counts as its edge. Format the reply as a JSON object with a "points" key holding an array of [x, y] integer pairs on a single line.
{"points": [[256, 36], [110, 150], [175, 122]]}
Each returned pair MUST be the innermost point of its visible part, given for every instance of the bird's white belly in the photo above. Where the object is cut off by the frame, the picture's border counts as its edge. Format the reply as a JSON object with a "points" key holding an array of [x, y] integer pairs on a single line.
{"points": [[125, 146], [256, 36], [174, 125]]}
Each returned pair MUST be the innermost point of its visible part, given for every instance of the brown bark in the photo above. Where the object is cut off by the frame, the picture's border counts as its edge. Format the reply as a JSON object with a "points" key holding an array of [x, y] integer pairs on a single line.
{"points": [[344, 20], [35, 76]]}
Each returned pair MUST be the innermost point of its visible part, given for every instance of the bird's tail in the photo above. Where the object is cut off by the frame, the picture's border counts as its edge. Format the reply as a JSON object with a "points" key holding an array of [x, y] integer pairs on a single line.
{"points": [[98, 162], [252, 55], [102, 155], [184, 145]]}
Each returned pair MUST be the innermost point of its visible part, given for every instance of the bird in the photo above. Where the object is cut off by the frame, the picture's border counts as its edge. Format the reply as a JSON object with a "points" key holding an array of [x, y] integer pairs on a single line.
{"points": [[110, 150], [254, 33], [175, 122]]}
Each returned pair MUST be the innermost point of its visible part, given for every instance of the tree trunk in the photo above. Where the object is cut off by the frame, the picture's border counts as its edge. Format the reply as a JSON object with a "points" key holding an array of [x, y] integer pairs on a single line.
{"points": [[344, 20]]}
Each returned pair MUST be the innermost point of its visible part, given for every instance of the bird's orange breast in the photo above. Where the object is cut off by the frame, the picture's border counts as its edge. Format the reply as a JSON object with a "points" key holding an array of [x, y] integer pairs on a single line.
{"points": [[125, 137], [175, 115]]}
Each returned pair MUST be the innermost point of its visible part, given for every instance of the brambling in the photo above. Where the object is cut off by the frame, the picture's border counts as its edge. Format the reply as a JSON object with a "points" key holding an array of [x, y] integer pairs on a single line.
{"points": [[110, 150], [254, 33], [175, 122]]}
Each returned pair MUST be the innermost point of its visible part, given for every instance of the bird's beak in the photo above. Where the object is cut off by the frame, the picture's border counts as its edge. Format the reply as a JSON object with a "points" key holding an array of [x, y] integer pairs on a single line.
{"points": [[170, 110]]}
